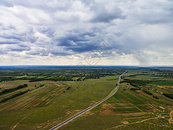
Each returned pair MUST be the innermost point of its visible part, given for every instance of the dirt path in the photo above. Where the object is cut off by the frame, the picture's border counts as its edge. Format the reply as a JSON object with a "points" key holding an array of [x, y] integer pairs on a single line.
{"points": [[14, 126], [19, 122], [139, 122]]}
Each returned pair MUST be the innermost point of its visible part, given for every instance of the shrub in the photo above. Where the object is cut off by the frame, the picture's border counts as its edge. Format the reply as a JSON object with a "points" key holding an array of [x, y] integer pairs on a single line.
{"points": [[155, 97], [134, 89], [147, 92], [168, 95]]}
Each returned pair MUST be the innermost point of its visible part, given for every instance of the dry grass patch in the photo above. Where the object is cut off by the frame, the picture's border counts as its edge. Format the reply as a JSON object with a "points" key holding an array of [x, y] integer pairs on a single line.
{"points": [[107, 112], [135, 114], [125, 122], [138, 91], [107, 109], [107, 106], [161, 86], [73, 112]]}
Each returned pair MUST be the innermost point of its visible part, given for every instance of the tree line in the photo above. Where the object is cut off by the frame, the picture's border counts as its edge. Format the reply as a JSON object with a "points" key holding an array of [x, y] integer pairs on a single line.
{"points": [[13, 89], [13, 96]]}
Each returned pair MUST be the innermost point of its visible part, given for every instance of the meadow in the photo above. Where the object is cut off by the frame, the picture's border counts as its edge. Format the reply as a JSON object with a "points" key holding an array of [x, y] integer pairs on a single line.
{"points": [[49, 102]]}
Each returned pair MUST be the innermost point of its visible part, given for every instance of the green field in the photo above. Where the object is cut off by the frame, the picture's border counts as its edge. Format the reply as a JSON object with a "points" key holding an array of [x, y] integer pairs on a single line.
{"points": [[50, 102], [167, 83]]}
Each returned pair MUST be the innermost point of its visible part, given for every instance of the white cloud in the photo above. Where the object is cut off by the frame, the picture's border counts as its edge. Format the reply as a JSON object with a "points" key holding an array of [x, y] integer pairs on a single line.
{"points": [[139, 32]]}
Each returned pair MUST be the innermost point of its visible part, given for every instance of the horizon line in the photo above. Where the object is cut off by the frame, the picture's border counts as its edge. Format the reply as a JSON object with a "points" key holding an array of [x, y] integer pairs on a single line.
{"points": [[89, 65]]}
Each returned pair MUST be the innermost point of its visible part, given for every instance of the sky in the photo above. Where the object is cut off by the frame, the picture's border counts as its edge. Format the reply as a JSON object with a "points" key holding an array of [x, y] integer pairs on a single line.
{"points": [[86, 32]]}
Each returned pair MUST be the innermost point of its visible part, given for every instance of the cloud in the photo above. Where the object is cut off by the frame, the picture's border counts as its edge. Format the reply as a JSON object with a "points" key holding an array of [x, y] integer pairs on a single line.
{"points": [[140, 32], [78, 42], [152, 12], [8, 43], [107, 13]]}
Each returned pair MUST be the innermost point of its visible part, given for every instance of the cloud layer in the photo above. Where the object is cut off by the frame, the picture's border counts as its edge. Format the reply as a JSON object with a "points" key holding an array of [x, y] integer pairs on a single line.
{"points": [[135, 32]]}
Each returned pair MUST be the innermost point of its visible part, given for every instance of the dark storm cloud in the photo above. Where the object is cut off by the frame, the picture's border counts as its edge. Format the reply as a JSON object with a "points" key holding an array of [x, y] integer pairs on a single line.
{"points": [[78, 42], [18, 48], [105, 16], [22, 49], [60, 53], [75, 39], [8, 43], [82, 48], [71, 40]]}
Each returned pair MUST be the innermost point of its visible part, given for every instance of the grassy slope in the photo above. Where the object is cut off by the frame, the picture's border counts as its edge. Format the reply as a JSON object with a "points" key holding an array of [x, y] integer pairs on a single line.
{"points": [[130, 110], [44, 107]]}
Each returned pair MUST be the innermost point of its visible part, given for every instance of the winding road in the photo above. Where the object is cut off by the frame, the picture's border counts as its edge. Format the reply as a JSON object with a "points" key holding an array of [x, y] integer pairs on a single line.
{"points": [[89, 108]]}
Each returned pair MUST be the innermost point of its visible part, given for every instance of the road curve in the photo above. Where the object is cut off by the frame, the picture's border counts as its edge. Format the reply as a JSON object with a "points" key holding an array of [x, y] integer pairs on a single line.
{"points": [[89, 108]]}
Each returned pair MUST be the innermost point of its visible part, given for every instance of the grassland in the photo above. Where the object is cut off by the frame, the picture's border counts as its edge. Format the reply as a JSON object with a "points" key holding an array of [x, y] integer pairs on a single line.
{"points": [[41, 108], [167, 83], [128, 109], [46, 106]]}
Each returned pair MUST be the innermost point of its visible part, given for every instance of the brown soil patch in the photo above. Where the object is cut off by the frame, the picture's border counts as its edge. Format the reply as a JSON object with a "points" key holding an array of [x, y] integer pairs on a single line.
{"points": [[72, 112], [135, 114], [138, 91], [107, 106], [107, 112], [171, 117], [125, 122], [160, 86]]}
